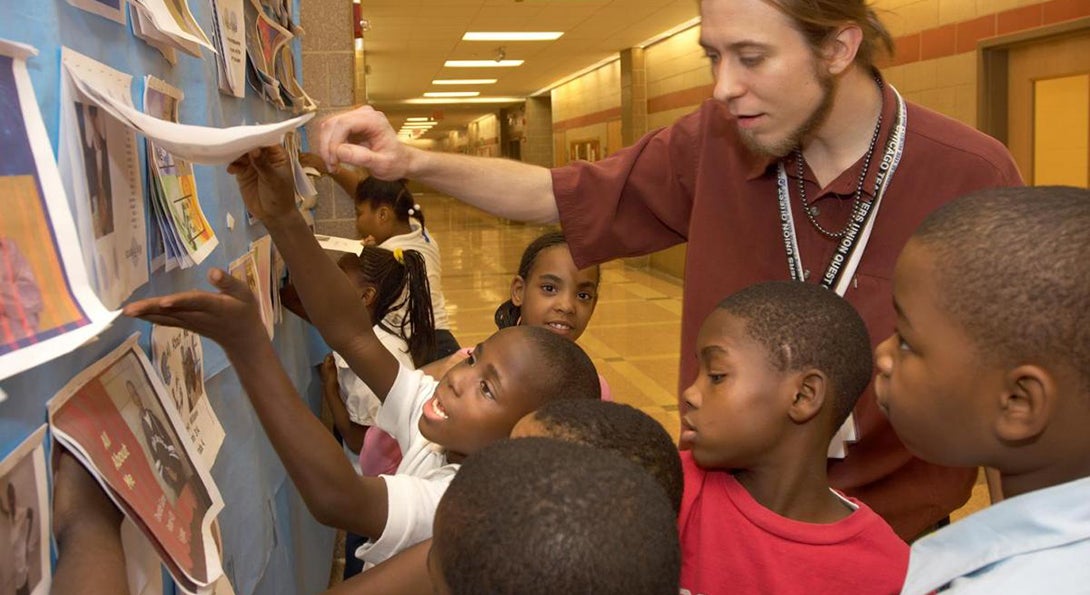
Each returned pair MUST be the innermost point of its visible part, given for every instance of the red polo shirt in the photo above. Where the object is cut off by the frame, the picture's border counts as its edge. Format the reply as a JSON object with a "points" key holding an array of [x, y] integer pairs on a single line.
{"points": [[696, 182]]}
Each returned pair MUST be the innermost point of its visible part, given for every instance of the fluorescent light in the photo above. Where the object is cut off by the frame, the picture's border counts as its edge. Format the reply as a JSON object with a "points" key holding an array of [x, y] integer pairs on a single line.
{"points": [[420, 119], [452, 93], [437, 100], [464, 82], [511, 35], [417, 126], [482, 63]]}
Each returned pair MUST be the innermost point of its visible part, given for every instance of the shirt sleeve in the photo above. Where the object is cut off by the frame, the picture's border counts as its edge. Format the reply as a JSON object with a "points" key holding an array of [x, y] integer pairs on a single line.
{"points": [[636, 201], [411, 503], [401, 411]]}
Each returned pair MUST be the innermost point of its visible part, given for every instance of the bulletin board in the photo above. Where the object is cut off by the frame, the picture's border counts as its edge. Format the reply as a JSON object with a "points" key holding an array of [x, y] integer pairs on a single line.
{"points": [[271, 543]]}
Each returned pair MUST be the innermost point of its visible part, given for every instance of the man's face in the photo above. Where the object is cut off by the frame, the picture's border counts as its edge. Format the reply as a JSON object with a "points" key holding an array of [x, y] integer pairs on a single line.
{"points": [[765, 72]]}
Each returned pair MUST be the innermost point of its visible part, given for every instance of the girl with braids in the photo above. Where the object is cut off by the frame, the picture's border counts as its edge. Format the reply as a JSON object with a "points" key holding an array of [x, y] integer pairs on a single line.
{"points": [[388, 217], [548, 291]]}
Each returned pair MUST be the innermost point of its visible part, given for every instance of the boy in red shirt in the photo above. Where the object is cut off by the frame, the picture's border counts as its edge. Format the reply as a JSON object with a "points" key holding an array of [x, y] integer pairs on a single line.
{"points": [[781, 366]]}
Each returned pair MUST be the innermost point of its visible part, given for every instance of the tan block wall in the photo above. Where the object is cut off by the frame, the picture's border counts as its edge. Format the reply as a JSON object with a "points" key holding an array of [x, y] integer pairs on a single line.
{"points": [[596, 91]]}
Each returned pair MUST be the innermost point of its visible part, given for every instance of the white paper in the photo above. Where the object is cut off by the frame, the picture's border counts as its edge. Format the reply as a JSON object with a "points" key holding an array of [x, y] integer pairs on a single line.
{"points": [[101, 171], [24, 519], [177, 356], [229, 35], [339, 244], [65, 313], [173, 19], [262, 251]]}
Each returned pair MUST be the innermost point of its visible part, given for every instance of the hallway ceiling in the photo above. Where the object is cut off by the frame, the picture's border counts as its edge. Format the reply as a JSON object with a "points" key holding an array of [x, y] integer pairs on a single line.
{"points": [[409, 40]]}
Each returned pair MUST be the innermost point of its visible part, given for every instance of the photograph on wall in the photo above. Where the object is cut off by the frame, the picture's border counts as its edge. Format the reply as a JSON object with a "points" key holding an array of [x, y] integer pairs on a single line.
{"points": [[24, 519], [177, 356], [47, 305], [118, 419], [110, 9], [100, 168]]}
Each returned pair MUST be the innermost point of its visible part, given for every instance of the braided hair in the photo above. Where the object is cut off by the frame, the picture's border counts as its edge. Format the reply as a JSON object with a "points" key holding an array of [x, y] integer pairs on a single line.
{"points": [[508, 314], [400, 280], [395, 195]]}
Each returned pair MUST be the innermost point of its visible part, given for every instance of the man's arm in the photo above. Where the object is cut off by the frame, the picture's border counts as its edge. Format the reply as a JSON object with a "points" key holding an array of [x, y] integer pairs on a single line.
{"points": [[511, 189], [332, 490]]}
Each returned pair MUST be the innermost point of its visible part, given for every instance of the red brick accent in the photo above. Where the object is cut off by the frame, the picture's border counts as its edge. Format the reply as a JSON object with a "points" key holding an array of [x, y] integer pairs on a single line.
{"points": [[1019, 19], [970, 32], [938, 42], [683, 98], [907, 50], [1064, 10], [587, 119]]}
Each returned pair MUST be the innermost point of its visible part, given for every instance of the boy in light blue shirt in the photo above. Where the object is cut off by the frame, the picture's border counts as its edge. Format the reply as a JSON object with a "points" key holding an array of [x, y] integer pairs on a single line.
{"points": [[989, 365]]}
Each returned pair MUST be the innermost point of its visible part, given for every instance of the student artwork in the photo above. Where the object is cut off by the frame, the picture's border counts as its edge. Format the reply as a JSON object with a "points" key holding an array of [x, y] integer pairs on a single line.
{"points": [[246, 268], [47, 305], [117, 418], [101, 171], [196, 144], [186, 236], [177, 356], [169, 24], [271, 64], [24, 519], [229, 38], [110, 9]]}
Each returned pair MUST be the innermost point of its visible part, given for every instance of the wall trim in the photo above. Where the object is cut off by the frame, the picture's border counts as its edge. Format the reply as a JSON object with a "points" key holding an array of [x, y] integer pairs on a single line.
{"points": [[613, 113]]}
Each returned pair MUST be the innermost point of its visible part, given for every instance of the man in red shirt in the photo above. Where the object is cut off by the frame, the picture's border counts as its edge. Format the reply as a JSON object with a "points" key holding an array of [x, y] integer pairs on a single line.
{"points": [[805, 165]]}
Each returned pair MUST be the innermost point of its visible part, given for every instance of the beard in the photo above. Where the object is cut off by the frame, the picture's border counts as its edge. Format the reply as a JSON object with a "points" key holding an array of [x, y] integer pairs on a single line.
{"points": [[780, 148]]}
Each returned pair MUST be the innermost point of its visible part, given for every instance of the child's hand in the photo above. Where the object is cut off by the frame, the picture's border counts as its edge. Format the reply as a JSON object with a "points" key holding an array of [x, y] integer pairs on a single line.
{"points": [[230, 317], [328, 371], [266, 181]]}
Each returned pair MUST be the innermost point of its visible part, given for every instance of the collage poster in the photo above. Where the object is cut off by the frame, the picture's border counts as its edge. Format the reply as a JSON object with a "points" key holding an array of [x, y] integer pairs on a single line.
{"points": [[24, 519], [47, 306], [118, 419]]}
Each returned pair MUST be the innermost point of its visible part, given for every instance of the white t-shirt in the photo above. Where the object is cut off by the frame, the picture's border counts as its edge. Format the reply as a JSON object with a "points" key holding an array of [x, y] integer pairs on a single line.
{"points": [[413, 493], [429, 249], [358, 398]]}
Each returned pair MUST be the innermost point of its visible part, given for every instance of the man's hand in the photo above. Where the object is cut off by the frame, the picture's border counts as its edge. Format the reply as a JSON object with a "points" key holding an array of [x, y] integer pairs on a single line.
{"points": [[363, 137], [266, 181], [230, 317]]}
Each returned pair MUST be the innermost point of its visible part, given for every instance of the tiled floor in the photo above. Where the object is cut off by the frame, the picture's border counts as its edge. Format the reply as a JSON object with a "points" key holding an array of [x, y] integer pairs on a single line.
{"points": [[632, 337]]}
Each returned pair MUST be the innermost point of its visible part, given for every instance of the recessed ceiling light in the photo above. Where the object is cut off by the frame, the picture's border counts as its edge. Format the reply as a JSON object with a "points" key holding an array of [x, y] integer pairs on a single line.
{"points": [[420, 119], [431, 100], [452, 93], [511, 35], [464, 82], [417, 126], [482, 63]]}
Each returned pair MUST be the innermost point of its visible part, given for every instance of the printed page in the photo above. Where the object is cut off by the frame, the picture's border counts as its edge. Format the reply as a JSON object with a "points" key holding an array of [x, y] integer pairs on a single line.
{"points": [[47, 304], [24, 519]]}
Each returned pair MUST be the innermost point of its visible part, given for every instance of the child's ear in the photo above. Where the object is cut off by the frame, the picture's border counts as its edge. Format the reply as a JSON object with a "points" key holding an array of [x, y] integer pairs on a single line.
{"points": [[518, 289], [1026, 406], [809, 398], [369, 295]]}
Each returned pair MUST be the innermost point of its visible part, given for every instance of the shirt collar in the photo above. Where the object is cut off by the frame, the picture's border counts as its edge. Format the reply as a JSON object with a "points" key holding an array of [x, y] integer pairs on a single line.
{"points": [[1038, 520]]}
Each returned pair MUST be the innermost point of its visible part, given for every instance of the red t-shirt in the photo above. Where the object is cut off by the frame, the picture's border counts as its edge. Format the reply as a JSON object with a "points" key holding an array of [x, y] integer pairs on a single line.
{"points": [[696, 182], [732, 544]]}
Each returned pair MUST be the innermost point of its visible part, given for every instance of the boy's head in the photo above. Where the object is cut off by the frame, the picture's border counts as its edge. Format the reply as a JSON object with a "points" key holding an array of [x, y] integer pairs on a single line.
{"points": [[621, 429], [774, 358], [542, 516], [510, 374], [990, 361]]}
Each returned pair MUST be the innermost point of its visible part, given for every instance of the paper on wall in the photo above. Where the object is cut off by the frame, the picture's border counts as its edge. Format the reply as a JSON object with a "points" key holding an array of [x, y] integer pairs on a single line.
{"points": [[47, 304], [177, 356]]}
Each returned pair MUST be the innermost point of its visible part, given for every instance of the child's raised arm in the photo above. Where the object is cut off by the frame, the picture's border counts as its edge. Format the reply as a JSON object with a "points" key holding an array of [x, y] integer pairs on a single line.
{"points": [[332, 490], [267, 185]]}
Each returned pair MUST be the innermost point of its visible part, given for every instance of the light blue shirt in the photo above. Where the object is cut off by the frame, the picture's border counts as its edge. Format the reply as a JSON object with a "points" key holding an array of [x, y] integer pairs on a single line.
{"points": [[1034, 543]]}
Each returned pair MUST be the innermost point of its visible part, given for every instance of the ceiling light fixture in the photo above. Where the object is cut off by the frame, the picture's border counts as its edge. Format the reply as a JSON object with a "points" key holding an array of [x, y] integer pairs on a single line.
{"points": [[437, 100], [512, 35], [418, 119], [482, 63], [452, 93], [464, 82]]}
